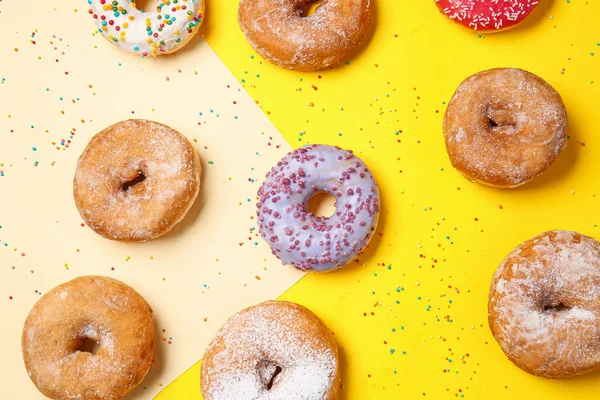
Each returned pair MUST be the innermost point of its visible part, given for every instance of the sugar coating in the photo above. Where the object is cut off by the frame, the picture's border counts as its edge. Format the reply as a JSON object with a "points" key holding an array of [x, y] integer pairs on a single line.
{"points": [[487, 15], [299, 238], [544, 305], [104, 310], [281, 32], [148, 33], [505, 126], [244, 359], [119, 154]]}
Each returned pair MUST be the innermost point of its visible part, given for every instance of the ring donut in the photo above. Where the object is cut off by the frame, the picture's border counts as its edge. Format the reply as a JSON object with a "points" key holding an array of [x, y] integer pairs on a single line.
{"points": [[487, 16], [298, 237], [283, 33], [103, 310], [135, 180], [148, 33], [504, 127], [274, 350], [544, 305]]}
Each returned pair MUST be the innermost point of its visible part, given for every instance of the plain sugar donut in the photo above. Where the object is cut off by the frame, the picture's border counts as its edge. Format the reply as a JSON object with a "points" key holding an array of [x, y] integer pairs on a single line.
{"points": [[136, 180], [272, 351], [298, 237], [544, 305], [504, 127], [101, 309], [282, 32]]}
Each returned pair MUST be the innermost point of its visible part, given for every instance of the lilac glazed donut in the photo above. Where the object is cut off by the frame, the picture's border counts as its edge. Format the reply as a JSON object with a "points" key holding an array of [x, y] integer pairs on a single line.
{"points": [[299, 238]]}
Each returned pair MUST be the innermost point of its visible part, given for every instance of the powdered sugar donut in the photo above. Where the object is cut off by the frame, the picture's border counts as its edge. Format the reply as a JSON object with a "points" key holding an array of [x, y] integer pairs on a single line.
{"points": [[102, 310], [282, 32], [136, 180], [487, 15], [301, 239], [544, 305], [272, 351], [504, 127], [148, 33]]}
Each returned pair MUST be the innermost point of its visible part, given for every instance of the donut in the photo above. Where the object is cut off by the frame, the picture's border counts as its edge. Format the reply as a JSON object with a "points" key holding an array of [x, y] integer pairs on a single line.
{"points": [[504, 127], [544, 305], [148, 33], [487, 16], [301, 239], [135, 180], [283, 33], [96, 308], [274, 350]]}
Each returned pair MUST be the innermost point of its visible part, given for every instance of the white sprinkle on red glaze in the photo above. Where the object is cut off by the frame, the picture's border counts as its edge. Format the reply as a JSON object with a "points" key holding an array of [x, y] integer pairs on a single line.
{"points": [[487, 15], [298, 237]]}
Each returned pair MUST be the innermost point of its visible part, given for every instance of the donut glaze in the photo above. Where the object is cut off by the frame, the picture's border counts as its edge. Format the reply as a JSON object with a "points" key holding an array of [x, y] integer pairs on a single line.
{"points": [[487, 15], [282, 32], [148, 33], [136, 180], [504, 127], [101, 309], [272, 351], [299, 238], [544, 305]]}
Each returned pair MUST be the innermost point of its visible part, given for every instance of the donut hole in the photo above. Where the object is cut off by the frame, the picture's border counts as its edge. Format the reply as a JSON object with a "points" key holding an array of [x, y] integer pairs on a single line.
{"points": [[139, 178], [146, 5], [87, 345], [321, 205], [268, 372], [553, 305], [310, 8], [501, 119], [277, 371], [556, 308]]}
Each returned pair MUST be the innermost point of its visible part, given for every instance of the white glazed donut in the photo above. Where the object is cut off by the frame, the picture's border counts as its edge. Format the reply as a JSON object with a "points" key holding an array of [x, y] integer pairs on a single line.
{"points": [[152, 33], [298, 237]]}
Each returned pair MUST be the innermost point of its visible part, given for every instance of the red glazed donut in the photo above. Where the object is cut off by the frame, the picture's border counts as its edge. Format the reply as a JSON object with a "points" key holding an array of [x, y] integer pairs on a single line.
{"points": [[487, 15]]}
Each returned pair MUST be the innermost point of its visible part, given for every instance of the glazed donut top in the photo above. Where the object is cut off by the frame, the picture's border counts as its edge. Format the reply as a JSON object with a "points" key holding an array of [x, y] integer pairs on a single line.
{"points": [[544, 307], [298, 237], [505, 126], [487, 15], [104, 310], [149, 33], [283, 33], [275, 350]]}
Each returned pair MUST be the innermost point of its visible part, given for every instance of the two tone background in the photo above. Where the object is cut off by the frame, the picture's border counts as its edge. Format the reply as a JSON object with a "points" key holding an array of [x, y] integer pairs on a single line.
{"points": [[411, 315]]}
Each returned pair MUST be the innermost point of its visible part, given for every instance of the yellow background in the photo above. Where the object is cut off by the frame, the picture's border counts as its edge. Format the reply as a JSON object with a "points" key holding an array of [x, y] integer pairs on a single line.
{"points": [[442, 236]]}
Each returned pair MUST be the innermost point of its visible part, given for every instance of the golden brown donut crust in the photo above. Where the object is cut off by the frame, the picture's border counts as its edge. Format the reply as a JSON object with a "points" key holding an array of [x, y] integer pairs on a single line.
{"points": [[282, 33], [504, 127], [104, 310], [242, 360], [117, 157], [544, 305]]}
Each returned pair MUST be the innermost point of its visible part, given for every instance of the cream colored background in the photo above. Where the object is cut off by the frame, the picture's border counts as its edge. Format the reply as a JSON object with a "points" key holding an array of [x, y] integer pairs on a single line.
{"points": [[37, 213]]}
